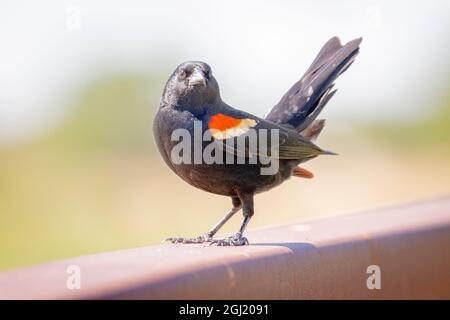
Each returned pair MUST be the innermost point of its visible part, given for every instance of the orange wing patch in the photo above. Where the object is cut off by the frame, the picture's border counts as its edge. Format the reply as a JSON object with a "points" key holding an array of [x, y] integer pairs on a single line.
{"points": [[302, 173], [225, 127]]}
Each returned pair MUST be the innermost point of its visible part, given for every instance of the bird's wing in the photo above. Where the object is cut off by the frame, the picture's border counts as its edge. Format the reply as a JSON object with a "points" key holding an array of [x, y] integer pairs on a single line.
{"points": [[304, 101], [246, 135]]}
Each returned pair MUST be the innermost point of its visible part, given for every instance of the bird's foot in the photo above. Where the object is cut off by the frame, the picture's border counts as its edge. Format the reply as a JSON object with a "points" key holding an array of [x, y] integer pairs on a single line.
{"points": [[235, 240], [200, 239]]}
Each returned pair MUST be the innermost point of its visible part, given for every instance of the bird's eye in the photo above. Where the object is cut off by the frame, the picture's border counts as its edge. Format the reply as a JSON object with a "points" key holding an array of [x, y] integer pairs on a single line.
{"points": [[208, 73], [182, 75]]}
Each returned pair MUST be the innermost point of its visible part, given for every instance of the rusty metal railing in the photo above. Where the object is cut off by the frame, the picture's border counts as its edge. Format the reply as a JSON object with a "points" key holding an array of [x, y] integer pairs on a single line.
{"points": [[401, 252]]}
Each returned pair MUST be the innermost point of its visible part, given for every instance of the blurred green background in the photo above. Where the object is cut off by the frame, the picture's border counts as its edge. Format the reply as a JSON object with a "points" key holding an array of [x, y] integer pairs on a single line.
{"points": [[89, 178]]}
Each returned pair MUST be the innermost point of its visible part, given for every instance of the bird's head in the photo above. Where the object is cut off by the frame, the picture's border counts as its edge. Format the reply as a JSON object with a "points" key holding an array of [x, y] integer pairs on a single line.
{"points": [[191, 85]]}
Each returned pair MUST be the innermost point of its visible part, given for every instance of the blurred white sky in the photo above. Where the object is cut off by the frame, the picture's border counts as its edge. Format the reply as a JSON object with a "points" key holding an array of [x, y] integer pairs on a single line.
{"points": [[257, 51]]}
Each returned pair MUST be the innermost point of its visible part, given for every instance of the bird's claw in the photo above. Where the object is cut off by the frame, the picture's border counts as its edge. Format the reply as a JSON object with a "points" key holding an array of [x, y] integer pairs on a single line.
{"points": [[235, 240], [200, 239]]}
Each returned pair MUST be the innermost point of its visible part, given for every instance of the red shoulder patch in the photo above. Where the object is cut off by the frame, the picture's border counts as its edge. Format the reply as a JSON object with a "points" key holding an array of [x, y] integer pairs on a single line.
{"points": [[222, 122], [225, 127]]}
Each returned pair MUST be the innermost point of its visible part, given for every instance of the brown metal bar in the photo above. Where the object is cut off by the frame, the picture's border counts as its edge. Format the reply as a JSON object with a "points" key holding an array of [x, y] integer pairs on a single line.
{"points": [[324, 259]]}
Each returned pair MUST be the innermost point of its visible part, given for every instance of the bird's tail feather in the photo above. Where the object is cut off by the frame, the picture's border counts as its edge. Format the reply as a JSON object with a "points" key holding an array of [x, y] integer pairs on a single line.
{"points": [[312, 131], [300, 106]]}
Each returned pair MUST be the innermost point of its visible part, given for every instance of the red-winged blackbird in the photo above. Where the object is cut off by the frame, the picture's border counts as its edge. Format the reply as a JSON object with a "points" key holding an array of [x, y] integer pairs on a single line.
{"points": [[192, 95]]}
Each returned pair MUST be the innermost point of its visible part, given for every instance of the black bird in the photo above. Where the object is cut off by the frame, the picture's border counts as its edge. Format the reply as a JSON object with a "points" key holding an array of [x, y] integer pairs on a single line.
{"points": [[191, 96]]}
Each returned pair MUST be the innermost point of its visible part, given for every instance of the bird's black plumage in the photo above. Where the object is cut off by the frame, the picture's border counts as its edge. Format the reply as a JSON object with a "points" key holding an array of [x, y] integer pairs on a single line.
{"points": [[192, 95], [307, 97]]}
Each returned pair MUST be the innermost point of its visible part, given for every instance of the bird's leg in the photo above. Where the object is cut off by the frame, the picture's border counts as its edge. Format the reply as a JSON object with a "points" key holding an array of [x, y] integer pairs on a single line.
{"points": [[221, 222], [208, 236], [238, 239]]}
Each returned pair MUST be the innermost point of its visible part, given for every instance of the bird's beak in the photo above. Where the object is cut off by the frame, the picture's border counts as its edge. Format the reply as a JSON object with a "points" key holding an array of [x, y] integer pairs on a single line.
{"points": [[197, 77]]}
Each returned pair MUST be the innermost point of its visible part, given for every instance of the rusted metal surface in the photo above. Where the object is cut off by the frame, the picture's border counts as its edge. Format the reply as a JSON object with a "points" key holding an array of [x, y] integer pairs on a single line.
{"points": [[324, 259]]}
